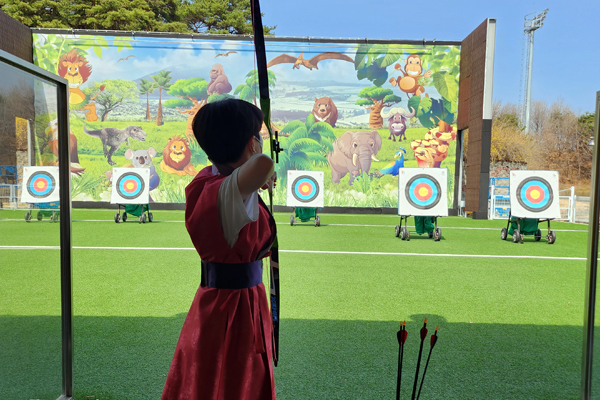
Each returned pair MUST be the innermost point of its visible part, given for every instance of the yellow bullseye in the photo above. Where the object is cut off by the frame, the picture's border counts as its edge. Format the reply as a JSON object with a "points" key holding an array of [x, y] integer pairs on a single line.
{"points": [[304, 189], [423, 191], [535, 194], [129, 185], [40, 184]]}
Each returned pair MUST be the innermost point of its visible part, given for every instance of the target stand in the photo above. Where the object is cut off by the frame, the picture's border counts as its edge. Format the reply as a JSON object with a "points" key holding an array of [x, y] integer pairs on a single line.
{"points": [[305, 193], [422, 193], [130, 190], [41, 191], [533, 199]]}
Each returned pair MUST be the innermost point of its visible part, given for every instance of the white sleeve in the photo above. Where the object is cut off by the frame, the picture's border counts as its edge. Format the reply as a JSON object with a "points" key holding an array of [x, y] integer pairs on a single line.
{"points": [[234, 212]]}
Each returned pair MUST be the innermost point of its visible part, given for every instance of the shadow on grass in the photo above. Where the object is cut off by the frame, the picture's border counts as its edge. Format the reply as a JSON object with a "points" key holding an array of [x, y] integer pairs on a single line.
{"points": [[129, 357]]}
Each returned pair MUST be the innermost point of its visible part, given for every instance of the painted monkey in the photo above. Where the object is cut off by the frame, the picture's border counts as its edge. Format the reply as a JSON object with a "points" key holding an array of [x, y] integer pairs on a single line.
{"points": [[413, 71]]}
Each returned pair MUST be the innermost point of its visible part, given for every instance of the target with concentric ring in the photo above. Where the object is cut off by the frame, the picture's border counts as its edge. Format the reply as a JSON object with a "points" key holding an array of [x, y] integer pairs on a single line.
{"points": [[130, 186], [41, 184], [535, 194], [423, 192], [305, 189]]}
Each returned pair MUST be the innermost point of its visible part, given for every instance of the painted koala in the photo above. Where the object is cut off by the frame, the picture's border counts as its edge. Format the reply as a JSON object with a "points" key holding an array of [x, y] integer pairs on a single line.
{"points": [[143, 159]]}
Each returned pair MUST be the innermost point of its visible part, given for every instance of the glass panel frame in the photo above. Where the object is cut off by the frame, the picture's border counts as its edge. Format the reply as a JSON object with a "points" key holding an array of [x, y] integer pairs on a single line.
{"points": [[65, 211]]}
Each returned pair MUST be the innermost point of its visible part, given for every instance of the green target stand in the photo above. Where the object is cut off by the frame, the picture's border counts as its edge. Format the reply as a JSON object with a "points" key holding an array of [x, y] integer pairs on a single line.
{"points": [[422, 194]]}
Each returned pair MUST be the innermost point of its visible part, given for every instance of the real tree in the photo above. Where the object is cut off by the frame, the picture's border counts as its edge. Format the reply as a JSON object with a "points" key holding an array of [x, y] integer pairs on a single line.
{"points": [[201, 16]]}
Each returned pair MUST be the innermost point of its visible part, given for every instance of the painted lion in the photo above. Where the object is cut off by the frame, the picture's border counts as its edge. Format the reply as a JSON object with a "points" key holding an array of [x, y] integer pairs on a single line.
{"points": [[75, 69], [176, 157]]}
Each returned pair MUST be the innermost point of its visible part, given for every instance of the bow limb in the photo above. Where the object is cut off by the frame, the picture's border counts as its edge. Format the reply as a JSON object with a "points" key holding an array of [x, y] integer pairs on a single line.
{"points": [[265, 105]]}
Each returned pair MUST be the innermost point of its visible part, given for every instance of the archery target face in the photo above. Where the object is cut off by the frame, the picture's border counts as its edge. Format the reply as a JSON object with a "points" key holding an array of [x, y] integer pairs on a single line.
{"points": [[130, 186], [40, 185], [534, 194], [305, 188], [423, 191]]}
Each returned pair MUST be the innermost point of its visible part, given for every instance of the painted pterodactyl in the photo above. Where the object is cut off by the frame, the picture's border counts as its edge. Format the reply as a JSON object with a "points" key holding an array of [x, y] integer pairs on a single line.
{"points": [[311, 63], [225, 54], [126, 58]]}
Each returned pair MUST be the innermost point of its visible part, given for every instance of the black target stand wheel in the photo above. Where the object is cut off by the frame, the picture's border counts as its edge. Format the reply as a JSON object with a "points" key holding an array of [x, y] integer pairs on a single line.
{"points": [[292, 220], [538, 235], [28, 216], [551, 237], [397, 230], [150, 217], [124, 216], [516, 236], [39, 216], [117, 218], [437, 234], [503, 234], [317, 221], [143, 219]]}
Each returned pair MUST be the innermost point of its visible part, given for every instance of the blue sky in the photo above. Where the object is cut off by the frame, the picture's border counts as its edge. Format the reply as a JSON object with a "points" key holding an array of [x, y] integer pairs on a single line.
{"points": [[566, 64]]}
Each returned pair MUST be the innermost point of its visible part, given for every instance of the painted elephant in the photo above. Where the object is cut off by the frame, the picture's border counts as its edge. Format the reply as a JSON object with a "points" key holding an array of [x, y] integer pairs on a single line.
{"points": [[352, 153]]}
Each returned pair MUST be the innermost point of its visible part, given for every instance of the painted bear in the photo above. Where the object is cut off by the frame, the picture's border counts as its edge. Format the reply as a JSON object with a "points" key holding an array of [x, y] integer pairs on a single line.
{"points": [[325, 110]]}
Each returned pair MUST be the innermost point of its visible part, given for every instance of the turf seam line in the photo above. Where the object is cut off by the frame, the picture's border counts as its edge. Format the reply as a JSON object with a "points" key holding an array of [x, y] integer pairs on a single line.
{"points": [[325, 224], [358, 253]]}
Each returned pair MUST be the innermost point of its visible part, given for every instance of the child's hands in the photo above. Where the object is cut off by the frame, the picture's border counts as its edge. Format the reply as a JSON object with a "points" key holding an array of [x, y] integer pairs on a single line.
{"points": [[271, 183]]}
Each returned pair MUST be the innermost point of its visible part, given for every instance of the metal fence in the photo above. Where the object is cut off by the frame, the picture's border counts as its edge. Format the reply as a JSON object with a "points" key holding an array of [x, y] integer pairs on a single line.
{"points": [[572, 208]]}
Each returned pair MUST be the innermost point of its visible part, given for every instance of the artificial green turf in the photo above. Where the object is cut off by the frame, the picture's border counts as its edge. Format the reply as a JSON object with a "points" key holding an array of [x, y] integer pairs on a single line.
{"points": [[509, 328]]}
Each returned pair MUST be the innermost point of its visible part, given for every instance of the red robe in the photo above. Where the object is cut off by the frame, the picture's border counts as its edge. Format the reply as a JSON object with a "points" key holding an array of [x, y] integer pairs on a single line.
{"points": [[225, 349]]}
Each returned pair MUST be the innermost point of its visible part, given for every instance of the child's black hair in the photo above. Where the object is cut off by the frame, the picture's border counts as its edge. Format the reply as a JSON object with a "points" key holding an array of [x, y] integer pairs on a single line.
{"points": [[223, 128]]}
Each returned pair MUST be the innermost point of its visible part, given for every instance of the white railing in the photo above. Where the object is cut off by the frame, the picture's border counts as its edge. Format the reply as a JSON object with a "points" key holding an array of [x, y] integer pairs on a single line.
{"points": [[572, 208], [10, 197]]}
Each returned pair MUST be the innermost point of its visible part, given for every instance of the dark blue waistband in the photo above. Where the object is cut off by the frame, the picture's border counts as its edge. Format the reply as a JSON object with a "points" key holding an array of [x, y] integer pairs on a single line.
{"points": [[231, 276]]}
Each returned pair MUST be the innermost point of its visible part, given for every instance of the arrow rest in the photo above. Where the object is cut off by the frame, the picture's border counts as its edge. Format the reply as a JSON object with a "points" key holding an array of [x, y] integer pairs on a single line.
{"points": [[276, 147]]}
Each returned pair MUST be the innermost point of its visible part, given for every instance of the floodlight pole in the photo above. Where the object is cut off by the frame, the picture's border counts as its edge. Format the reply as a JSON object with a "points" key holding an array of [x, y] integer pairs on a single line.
{"points": [[531, 25], [592, 267]]}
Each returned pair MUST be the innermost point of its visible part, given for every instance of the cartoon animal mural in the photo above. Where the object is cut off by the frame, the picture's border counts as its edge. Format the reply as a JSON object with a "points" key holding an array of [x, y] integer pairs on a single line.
{"points": [[219, 84], [143, 159], [413, 71], [397, 118], [393, 168], [90, 108], [177, 157], [311, 63], [114, 137], [52, 132], [352, 153], [433, 149], [226, 54], [75, 69], [325, 110]]}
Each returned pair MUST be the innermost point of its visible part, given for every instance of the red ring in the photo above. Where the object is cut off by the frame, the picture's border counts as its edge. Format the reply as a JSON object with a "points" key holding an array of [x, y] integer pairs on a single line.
{"points": [[426, 186], [531, 199]]}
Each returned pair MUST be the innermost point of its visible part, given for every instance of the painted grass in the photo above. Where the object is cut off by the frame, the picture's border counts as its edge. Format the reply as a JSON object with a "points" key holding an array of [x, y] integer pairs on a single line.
{"points": [[509, 328]]}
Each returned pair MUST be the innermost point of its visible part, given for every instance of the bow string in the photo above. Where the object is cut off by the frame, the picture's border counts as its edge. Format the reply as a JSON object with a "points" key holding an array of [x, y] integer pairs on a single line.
{"points": [[265, 105]]}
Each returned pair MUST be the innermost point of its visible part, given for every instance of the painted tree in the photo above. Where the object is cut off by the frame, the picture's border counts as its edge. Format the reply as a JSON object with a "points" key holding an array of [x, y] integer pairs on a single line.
{"points": [[247, 91], [371, 61], [190, 93], [147, 87], [163, 82], [374, 99], [116, 92], [306, 145]]}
